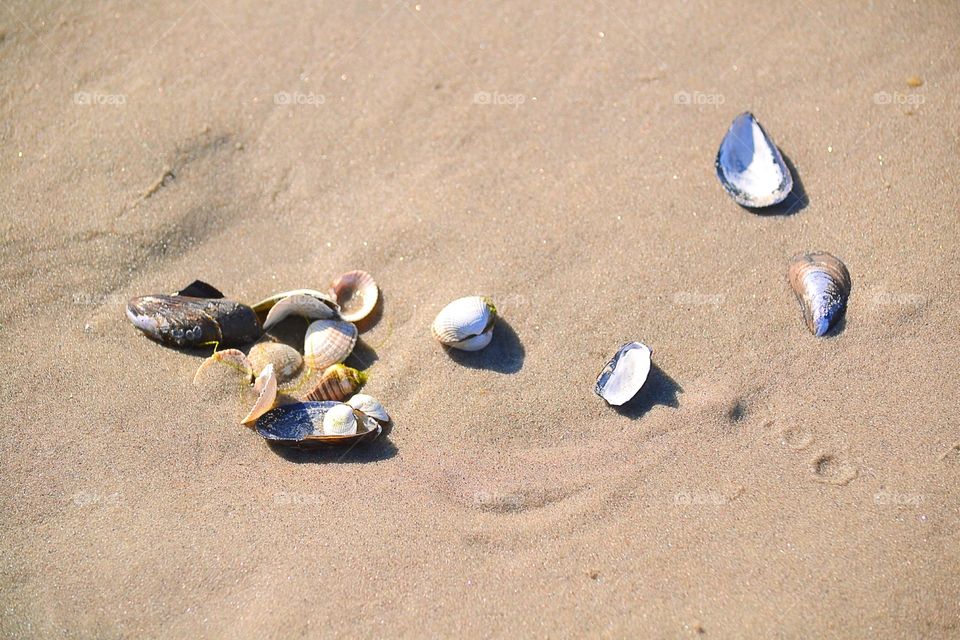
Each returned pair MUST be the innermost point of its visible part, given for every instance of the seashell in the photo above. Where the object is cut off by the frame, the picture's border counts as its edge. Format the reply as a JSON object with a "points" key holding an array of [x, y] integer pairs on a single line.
{"points": [[369, 406], [286, 360], [750, 166], [301, 425], [266, 387], [199, 289], [225, 373], [338, 382], [466, 323], [298, 306], [822, 284], [340, 421], [623, 376], [328, 342], [357, 294], [184, 321]]}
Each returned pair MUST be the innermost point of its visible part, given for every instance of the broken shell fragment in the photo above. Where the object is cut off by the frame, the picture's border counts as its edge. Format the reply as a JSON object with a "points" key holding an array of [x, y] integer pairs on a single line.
{"points": [[199, 289], [356, 292], [185, 321], [338, 383], [623, 376], [286, 360], [822, 285], [369, 406], [301, 425], [340, 421], [750, 166], [266, 387], [300, 305], [328, 342], [466, 323], [226, 373]]}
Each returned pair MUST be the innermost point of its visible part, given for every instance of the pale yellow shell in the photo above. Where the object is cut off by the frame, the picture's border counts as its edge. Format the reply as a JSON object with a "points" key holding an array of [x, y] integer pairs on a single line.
{"points": [[356, 292], [340, 421], [369, 406], [328, 342], [266, 387], [226, 373], [286, 360]]}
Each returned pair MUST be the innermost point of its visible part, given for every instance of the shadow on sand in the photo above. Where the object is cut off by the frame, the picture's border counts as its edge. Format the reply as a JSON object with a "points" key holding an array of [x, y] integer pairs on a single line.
{"points": [[504, 354], [658, 389]]}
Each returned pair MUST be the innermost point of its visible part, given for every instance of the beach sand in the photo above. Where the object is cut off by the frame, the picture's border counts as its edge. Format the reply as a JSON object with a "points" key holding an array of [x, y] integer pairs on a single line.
{"points": [[559, 158]]}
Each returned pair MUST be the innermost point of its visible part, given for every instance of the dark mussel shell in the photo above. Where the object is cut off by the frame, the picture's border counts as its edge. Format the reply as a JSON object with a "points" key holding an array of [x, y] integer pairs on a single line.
{"points": [[199, 289], [300, 424], [184, 321], [822, 285]]}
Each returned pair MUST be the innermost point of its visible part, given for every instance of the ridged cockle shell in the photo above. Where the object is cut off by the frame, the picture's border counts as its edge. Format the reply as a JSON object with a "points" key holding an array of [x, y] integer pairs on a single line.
{"points": [[466, 323], [356, 292], [369, 406], [286, 360], [822, 285], [338, 382], [328, 342], [340, 420]]}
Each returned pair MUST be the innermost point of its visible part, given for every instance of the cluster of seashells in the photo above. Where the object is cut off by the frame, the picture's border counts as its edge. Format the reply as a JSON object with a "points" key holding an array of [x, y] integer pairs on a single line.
{"points": [[295, 399], [751, 169]]}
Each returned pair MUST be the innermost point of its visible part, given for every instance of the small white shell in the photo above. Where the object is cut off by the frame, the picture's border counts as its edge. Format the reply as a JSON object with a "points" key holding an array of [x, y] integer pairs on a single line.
{"points": [[623, 376], [340, 421], [750, 166], [266, 386], [466, 323], [369, 406], [328, 342], [302, 305], [357, 294]]}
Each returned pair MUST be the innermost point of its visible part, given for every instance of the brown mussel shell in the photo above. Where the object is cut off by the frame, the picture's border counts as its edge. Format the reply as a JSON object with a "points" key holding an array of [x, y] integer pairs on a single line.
{"points": [[184, 321], [822, 285]]}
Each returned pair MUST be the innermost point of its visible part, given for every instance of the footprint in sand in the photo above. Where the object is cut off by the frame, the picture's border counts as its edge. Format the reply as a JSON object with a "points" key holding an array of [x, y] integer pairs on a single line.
{"points": [[797, 438], [952, 454], [831, 468]]}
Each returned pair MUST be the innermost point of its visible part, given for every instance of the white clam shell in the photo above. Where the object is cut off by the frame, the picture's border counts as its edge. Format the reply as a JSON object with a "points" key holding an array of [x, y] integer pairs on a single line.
{"points": [[369, 406], [340, 421], [466, 323], [750, 166], [299, 305], [626, 372], [328, 342], [266, 386]]}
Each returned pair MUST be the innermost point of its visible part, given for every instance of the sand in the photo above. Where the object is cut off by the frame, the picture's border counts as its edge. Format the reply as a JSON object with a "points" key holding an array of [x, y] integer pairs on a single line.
{"points": [[559, 158]]}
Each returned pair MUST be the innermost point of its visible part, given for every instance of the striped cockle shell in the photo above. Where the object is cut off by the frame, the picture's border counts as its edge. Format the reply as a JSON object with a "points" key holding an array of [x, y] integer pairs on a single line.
{"points": [[286, 360], [340, 420], [466, 323], [356, 292], [266, 388], [338, 382], [822, 285], [369, 406], [328, 342]]}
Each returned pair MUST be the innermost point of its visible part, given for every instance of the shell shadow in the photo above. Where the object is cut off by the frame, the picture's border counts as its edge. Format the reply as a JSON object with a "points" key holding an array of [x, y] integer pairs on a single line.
{"points": [[837, 327], [504, 354], [362, 357], [795, 201], [376, 451], [658, 389]]}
